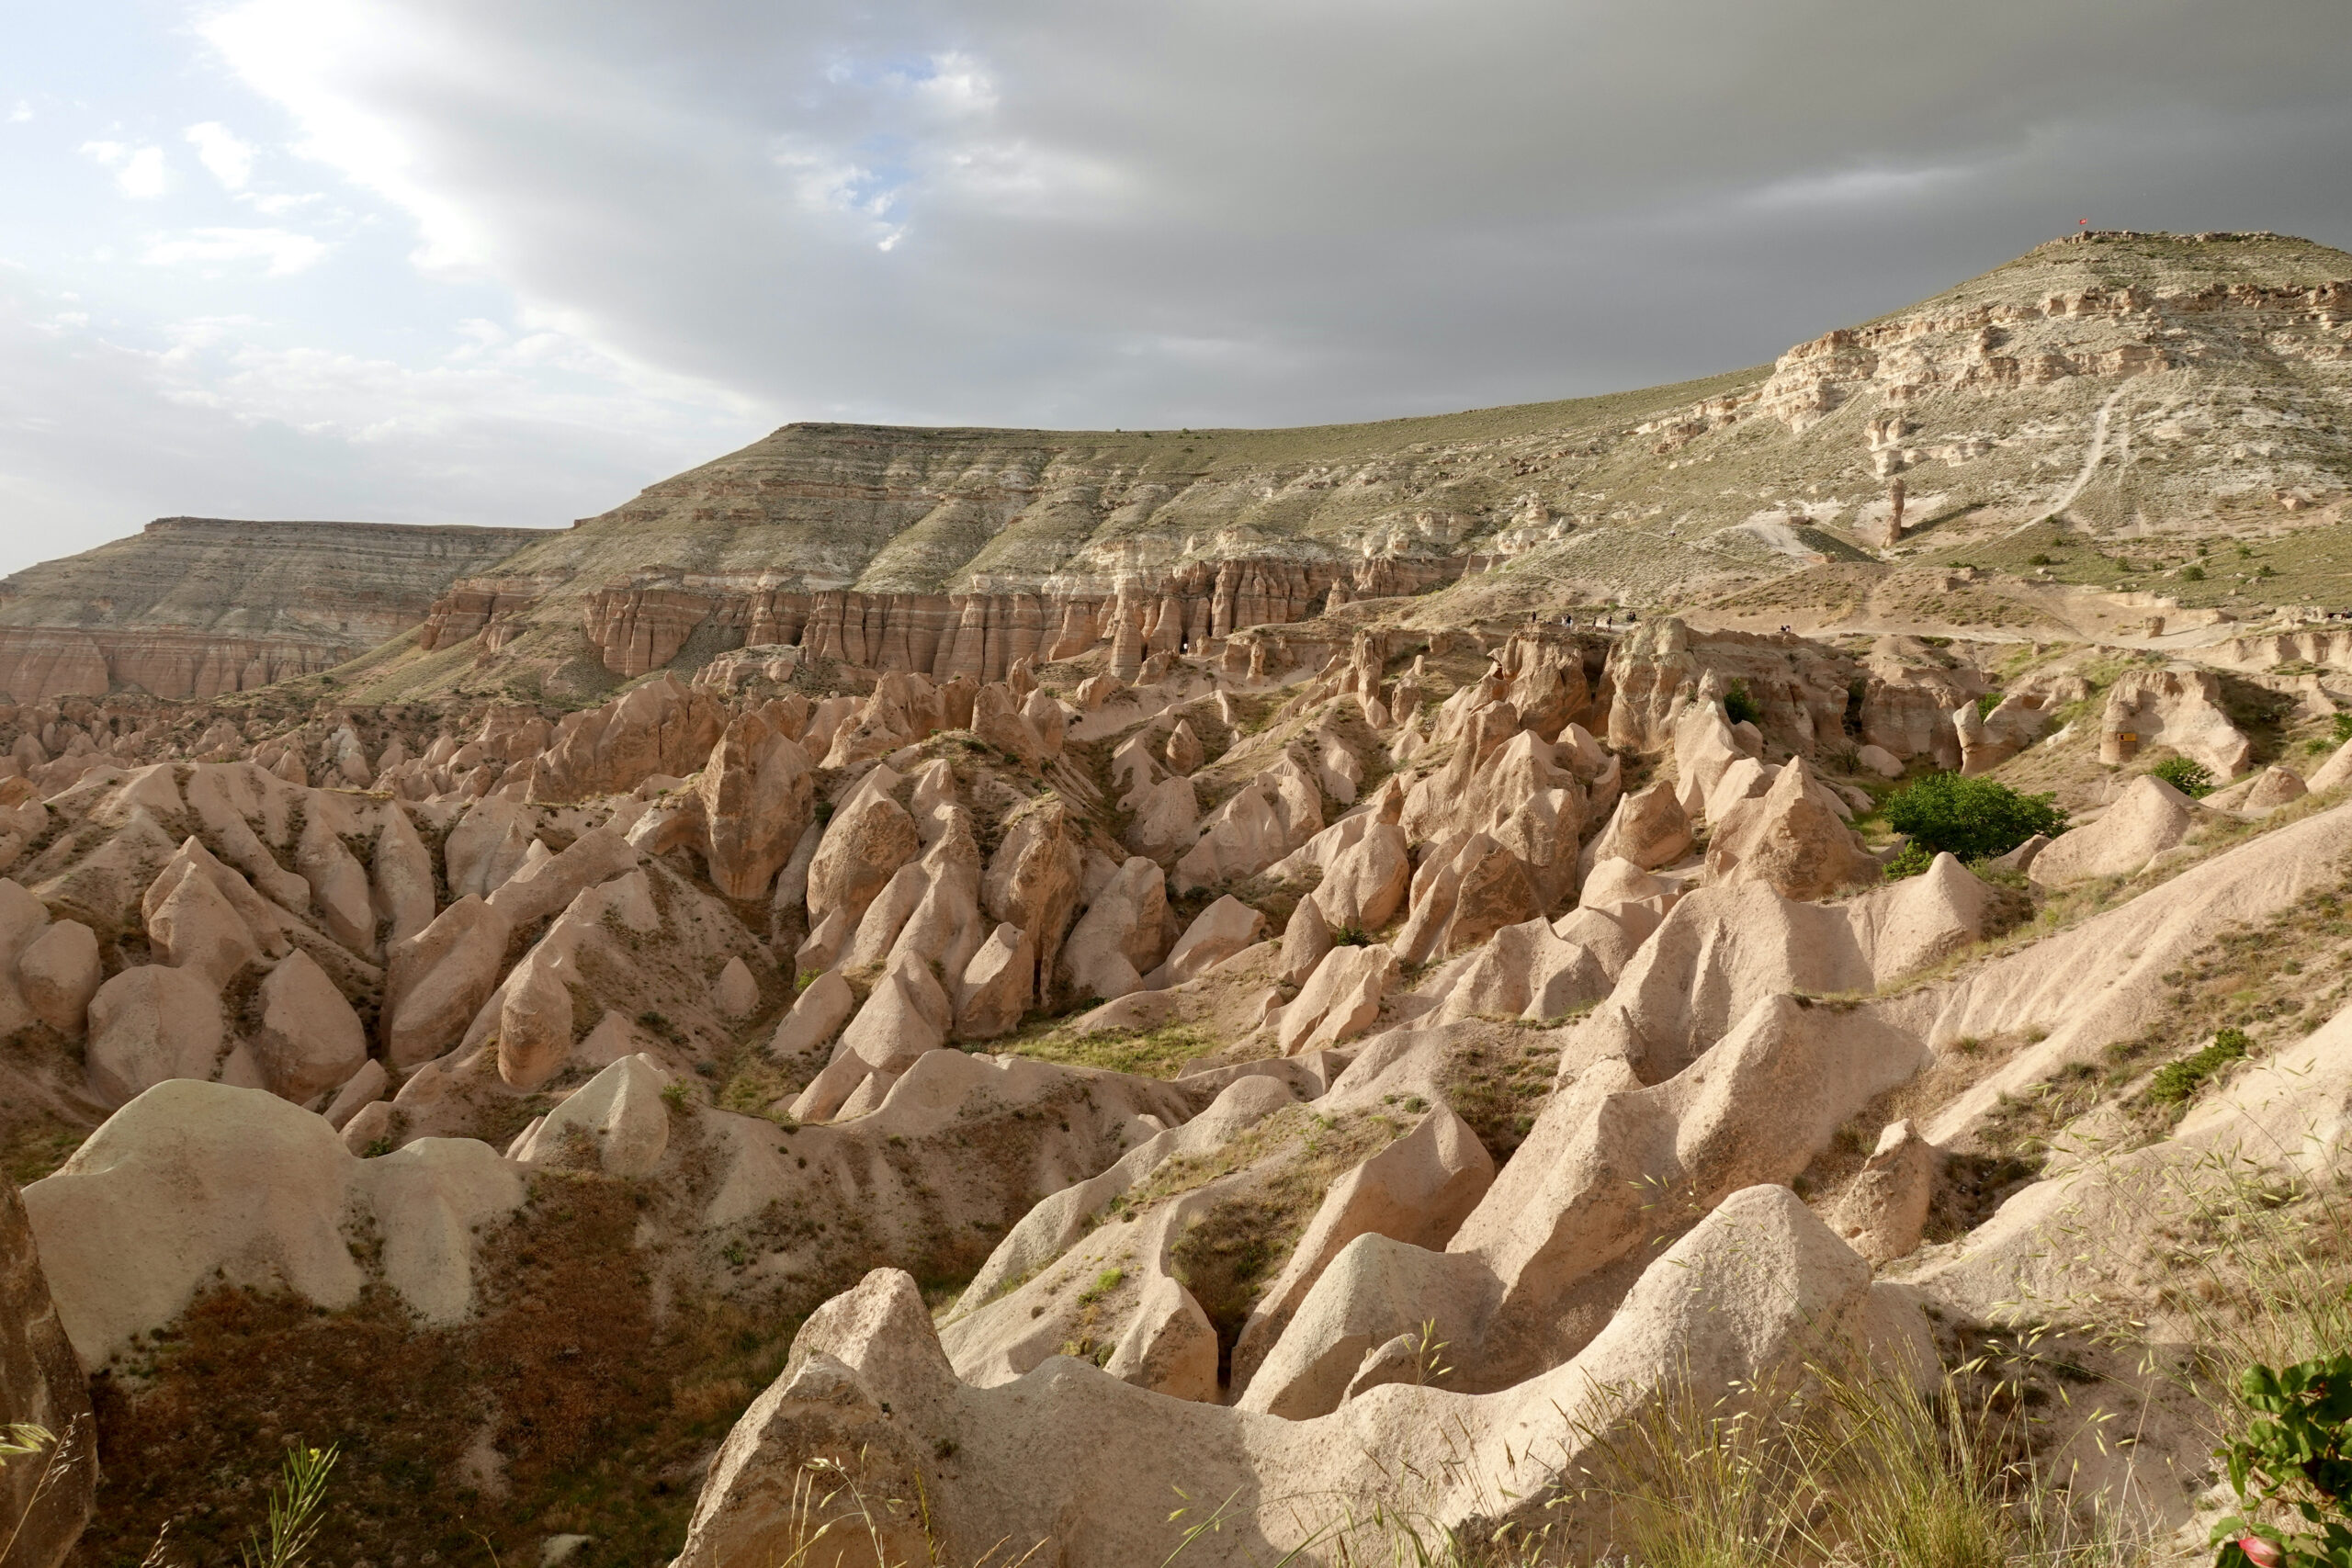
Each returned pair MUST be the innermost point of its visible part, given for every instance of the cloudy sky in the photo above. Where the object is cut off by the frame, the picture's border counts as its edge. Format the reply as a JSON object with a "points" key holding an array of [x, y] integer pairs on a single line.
{"points": [[508, 261]]}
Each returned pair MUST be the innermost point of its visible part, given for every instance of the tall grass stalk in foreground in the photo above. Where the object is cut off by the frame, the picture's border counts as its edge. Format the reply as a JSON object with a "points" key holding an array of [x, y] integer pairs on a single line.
{"points": [[297, 1509], [1840, 1467]]}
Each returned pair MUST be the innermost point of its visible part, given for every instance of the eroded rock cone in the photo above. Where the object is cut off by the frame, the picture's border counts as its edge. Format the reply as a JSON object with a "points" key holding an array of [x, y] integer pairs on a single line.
{"points": [[1792, 839]]}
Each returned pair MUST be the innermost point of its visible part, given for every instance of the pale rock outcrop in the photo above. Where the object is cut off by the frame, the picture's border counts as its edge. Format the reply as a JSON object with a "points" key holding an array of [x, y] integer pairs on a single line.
{"points": [[44, 1501], [1183, 751], [2275, 787], [58, 973], [535, 1016], [2180, 708], [197, 1183], [998, 985], [1649, 828], [1464, 892], [1120, 938], [150, 1023], [1367, 880], [2335, 771], [1986, 740], [1340, 1000], [1169, 1347], [1306, 940], [1166, 819], [2149, 817], [434, 981], [487, 846], [1071, 1455], [735, 994], [1219, 931], [662, 726], [308, 1040], [1884, 1211], [816, 1016], [865, 844], [616, 1122], [1788, 838], [192, 925], [402, 889], [1881, 760], [338, 884], [1724, 948], [362, 1089], [757, 795], [1418, 1189], [1033, 880], [545, 886]]}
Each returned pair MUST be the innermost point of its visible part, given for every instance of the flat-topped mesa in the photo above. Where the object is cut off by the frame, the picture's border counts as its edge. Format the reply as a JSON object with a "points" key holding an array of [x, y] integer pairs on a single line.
{"points": [[640, 626], [201, 606]]}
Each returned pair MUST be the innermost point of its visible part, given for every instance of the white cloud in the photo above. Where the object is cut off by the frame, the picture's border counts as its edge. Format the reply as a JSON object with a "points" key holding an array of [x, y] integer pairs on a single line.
{"points": [[283, 252], [21, 113], [230, 159], [138, 173]]}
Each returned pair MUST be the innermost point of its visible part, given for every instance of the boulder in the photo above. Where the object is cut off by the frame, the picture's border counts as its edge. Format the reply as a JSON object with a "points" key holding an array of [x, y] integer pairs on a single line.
{"points": [[1340, 1000], [865, 844], [1790, 839], [615, 1122], [906, 1015], [1306, 940], [1649, 828], [1120, 936], [1364, 883], [151, 1023], [1222, 930], [437, 980], [2275, 787], [339, 891], [2149, 817], [487, 846], [58, 973], [735, 994], [757, 794], [364, 1088], [997, 985], [193, 926], [1464, 892], [817, 1015], [309, 1039], [1169, 1347], [1166, 819], [1183, 751], [1882, 761], [1884, 1211]]}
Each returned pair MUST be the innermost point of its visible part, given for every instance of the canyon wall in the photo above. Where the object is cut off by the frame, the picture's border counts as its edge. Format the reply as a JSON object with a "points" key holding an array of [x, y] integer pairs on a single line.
{"points": [[198, 606]]}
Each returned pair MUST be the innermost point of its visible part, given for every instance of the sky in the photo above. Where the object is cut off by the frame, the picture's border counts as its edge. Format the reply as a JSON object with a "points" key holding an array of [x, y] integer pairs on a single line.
{"points": [[509, 261]]}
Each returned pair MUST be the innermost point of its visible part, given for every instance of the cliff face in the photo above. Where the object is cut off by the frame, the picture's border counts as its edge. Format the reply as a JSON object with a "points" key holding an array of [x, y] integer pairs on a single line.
{"points": [[196, 606], [2118, 385], [2126, 382]]}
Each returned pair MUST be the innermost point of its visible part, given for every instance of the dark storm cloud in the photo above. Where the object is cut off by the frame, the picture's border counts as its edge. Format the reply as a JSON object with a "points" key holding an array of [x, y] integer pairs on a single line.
{"points": [[1064, 213]]}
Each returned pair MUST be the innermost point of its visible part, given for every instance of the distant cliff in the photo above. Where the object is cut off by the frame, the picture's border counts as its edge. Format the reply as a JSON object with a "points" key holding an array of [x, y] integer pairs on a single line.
{"points": [[196, 606]]}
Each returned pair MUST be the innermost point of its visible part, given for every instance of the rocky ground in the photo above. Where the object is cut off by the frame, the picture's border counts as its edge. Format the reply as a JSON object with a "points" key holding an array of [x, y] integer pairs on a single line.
{"points": [[1304, 1059]]}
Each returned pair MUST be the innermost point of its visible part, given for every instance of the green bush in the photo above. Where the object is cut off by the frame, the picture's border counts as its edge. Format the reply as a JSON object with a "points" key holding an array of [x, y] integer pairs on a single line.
{"points": [[2192, 574], [2191, 778], [2176, 1081], [2343, 728], [1739, 707], [1971, 819], [1910, 861], [2297, 1461], [1986, 703]]}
